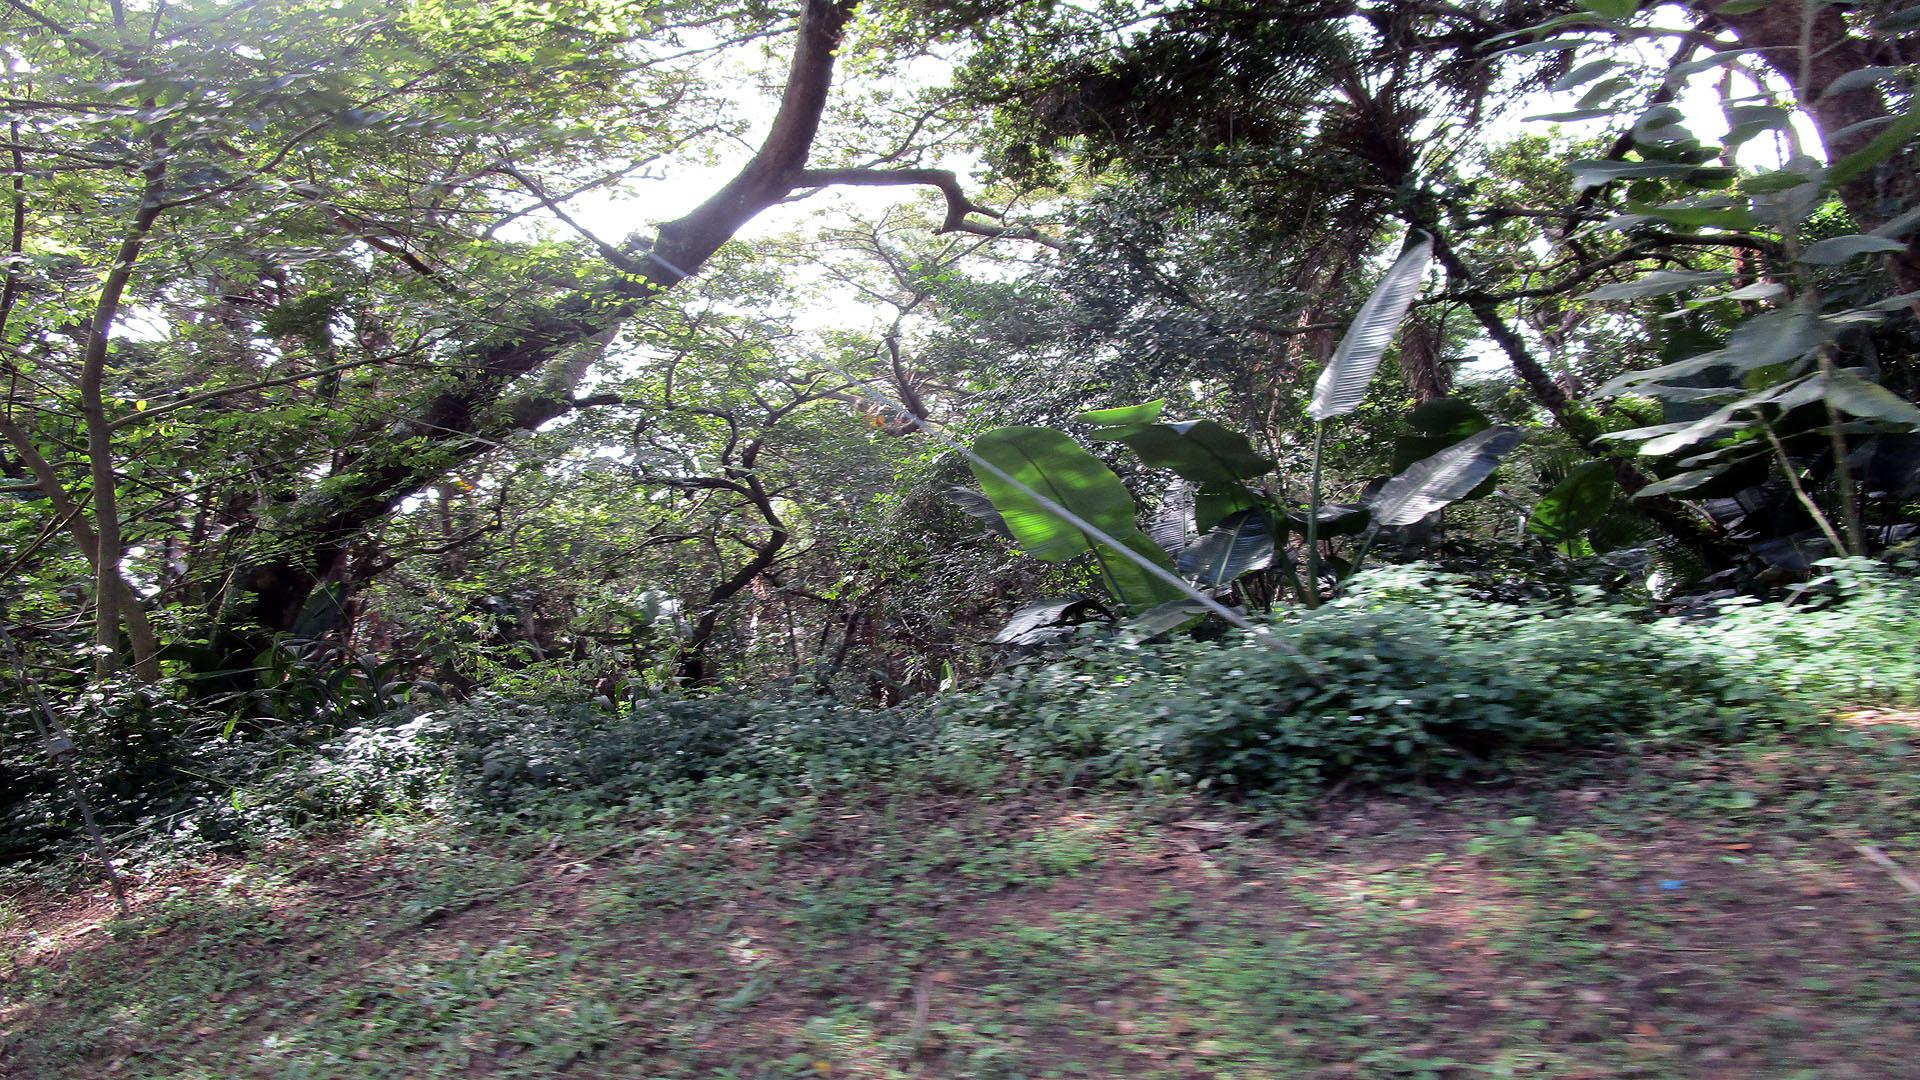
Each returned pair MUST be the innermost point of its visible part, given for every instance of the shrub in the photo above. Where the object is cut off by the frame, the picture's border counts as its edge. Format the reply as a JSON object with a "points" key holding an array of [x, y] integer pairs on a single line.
{"points": [[504, 751], [1411, 676]]}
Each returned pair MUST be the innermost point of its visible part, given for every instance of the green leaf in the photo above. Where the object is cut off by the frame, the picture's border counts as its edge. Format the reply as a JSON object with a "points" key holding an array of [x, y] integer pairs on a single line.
{"points": [[1559, 44], [1198, 450], [1583, 74], [1055, 466], [1779, 180], [1448, 418], [1343, 383], [1901, 225], [1162, 618], [1576, 503], [1131, 584], [1572, 116], [1214, 503], [1612, 9], [1443, 478], [1685, 481], [1707, 63], [1171, 525], [1712, 178], [1437, 424], [1857, 397], [1592, 173], [1697, 216], [1859, 79], [1899, 21], [1665, 439], [1663, 126], [1658, 283], [1759, 290], [976, 503], [1751, 121], [1043, 620], [1124, 416], [1884, 145], [1773, 337], [1241, 543], [1336, 519], [1839, 249]]}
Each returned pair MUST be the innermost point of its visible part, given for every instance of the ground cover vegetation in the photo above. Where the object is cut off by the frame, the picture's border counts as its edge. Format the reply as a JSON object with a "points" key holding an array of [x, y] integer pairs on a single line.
{"points": [[1203, 538]]}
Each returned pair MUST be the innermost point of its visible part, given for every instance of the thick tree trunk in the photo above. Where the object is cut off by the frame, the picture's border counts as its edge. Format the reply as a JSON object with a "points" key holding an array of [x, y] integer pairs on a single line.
{"points": [[1810, 46]]}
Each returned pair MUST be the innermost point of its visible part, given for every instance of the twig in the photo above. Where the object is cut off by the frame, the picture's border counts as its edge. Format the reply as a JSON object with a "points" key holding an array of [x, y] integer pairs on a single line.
{"points": [[1879, 858]]}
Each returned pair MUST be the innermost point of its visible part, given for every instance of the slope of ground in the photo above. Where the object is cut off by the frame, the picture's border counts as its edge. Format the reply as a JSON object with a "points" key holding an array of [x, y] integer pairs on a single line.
{"points": [[1739, 914]]}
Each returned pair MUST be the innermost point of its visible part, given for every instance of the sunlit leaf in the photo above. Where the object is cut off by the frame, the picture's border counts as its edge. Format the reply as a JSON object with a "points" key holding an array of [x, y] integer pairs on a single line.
{"points": [[1343, 382], [1443, 478]]}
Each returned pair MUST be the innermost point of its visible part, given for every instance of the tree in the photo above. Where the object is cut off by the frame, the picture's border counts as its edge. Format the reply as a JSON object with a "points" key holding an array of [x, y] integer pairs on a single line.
{"points": [[1201, 106], [312, 197]]}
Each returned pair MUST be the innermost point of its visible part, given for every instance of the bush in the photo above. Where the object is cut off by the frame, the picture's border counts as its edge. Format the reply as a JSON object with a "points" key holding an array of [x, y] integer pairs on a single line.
{"points": [[504, 751], [1410, 676], [1851, 638], [1413, 674]]}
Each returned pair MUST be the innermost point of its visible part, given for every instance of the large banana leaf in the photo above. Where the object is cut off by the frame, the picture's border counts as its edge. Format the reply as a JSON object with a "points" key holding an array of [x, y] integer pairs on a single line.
{"points": [[1344, 381], [1215, 503], [1171, 615], [1434, 426], [1575, 504], [1134, 586], [1171, 526], [1044, 620], [1055, 466], [1443, 478], [1198, 450], [1241, 543], [975, 503], [1334, 519], [1125, 416]]}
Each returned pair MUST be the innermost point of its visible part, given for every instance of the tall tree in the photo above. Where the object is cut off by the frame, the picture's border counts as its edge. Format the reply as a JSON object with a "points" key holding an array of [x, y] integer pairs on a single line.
{"points": [[311, 197]]}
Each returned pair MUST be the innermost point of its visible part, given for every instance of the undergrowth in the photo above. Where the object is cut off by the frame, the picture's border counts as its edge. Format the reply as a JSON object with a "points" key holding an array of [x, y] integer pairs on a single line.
{"points": [[1408, 677]]}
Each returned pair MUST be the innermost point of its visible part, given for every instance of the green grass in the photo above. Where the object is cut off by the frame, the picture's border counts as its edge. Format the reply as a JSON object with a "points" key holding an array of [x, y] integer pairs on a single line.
{"points": [[1707, 915]]}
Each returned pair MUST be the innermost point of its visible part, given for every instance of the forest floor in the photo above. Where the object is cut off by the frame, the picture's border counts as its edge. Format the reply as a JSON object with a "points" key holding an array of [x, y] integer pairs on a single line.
{"points": [[1738, 913]]}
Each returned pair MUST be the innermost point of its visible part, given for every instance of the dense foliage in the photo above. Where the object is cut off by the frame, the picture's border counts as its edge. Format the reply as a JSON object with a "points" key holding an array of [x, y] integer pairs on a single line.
{"points": [[350, 464]]}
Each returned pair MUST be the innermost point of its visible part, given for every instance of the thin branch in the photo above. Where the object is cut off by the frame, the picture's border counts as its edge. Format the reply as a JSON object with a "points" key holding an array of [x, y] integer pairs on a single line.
{"points": [[607, 251], [959, 206], [156, 411]]}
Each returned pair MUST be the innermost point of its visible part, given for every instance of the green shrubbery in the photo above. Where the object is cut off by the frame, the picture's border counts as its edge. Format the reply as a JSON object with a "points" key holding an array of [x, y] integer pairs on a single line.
{"points": [[502, 751], [1411, 675]]}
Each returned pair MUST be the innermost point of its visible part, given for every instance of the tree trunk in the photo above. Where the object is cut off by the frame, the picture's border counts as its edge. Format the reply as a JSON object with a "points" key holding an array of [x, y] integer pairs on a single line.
{"points": [[140, 636], [1810, 46], [1676, 520]]}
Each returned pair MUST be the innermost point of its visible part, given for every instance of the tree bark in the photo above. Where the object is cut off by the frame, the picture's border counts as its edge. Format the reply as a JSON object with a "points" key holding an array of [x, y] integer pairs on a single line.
{"points": [[109, 588], [1675, 519], [1810, 46]]}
